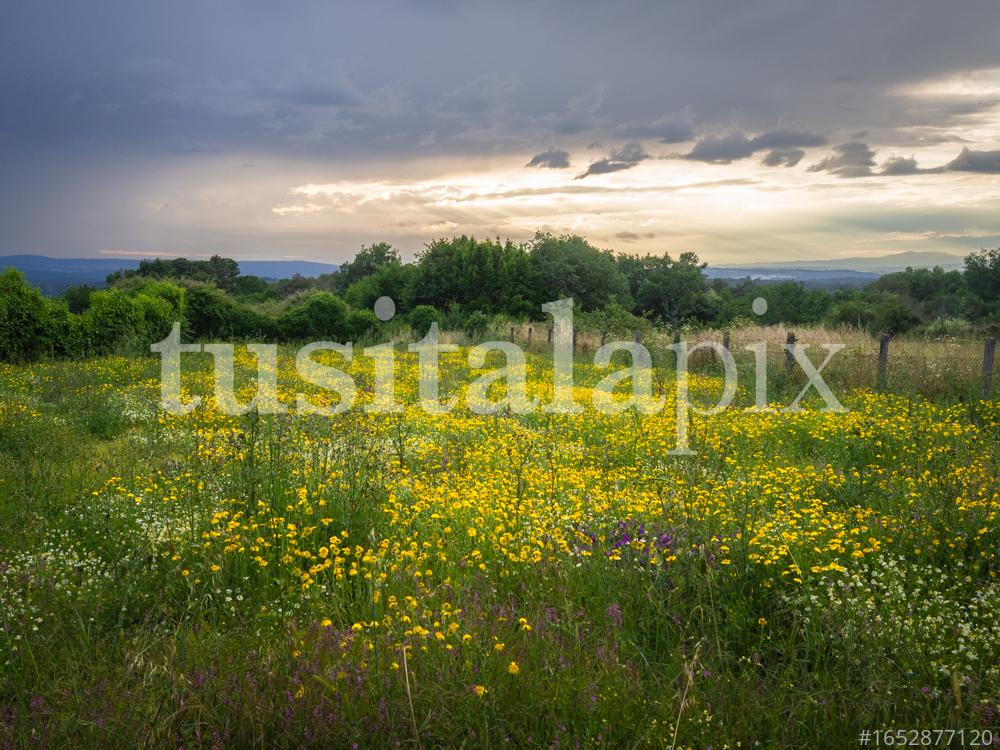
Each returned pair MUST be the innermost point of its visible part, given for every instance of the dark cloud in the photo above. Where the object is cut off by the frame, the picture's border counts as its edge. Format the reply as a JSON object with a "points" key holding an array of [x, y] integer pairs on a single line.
{"points": [[664, 130], [985, 162], [553, 158], [787, 139], [634, 237], [729, 148], [310, 86], [851, 159], [321, 91], [721, 150], [783, 157], [624, 158], [898, 166], [581, 113], [982, 162]]}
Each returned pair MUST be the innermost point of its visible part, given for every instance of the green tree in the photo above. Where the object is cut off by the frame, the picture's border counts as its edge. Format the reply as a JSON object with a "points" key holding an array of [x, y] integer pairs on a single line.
{"points": [[253, 288], [217, 270], [393, 280], [856, 313], [368, 260], [673, 291], [982, 275], [486, 275], [77, 298], [931, 292], [569, 266], [295, 285]]}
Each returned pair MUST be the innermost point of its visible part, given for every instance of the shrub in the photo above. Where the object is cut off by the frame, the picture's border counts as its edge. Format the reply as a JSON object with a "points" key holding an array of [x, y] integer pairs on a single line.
{"points": [[208, 313], [949, 328], [24, 319], [77, 298], [115, 320], [420, 319], [854, 313], [157, 316], [362, 324], [612, 319], [476, 323], [319, 316]]}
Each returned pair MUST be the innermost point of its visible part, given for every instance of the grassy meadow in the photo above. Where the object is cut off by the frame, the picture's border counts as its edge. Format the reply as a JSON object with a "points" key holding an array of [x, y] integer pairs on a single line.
{"points": [[417, 580]]}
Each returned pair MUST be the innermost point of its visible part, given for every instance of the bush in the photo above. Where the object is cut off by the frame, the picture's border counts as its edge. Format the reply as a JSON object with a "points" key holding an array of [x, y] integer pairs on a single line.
{"points": [[853, 313], [894, 317], [77, 298], [362, 324], [614, 320], [949, 328], [476, 323], [115, 319], [420, 319], [208, 312], [25, 319], [320, 316], [157, 316], [65, 333]]}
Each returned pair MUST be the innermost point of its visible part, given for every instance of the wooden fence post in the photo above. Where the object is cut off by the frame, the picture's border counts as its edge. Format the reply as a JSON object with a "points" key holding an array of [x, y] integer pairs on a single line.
{"points": [[512, 333], [789, 357], [638, 336], [604, 337], [529, 337], [883, 361], [574, 339], [725, 340], [549, 339], [989, 357]]}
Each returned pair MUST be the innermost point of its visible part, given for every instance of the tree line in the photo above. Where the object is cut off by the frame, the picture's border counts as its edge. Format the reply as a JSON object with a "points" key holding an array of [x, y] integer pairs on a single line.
{"points": [[470, 284]]}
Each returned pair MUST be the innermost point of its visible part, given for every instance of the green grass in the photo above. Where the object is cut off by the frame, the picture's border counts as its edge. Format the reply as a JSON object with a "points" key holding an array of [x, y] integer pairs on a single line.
{"points": [[106, 642]]}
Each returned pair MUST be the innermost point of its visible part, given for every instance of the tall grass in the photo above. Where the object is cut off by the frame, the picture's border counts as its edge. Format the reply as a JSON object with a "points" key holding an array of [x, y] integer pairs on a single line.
{"points": [[801, 578]]}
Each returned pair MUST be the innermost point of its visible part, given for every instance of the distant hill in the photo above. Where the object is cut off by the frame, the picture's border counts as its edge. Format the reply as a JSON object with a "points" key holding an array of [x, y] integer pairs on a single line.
{"points": [[53, 275], [878, 264], [836, 272], [826, 279]]}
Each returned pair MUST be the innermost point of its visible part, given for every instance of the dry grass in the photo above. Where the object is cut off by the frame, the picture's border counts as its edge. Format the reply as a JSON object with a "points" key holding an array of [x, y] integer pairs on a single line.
{"points": [[945, 367]]}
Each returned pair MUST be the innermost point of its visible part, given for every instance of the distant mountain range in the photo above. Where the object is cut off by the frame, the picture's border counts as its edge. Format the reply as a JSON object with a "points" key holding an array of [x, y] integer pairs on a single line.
{"points": [[815, 277], [53, 275], [872, 264], [834, 272]]}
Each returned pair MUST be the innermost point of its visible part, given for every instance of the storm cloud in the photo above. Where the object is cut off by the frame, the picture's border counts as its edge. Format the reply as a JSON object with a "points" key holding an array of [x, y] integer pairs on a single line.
{"points": [[126, 126], [625, 157], [664, 129], [783, 157], [852, 159], [729, 148], [553, 158], [984, 162]]}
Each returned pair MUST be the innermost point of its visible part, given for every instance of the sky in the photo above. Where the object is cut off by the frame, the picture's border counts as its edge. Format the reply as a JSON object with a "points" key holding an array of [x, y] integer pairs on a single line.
{"points": [[745, 132]]}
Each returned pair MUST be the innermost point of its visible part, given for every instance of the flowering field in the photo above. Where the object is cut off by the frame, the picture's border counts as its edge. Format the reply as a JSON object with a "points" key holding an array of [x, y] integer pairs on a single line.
{"points": [[553, 580]]}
